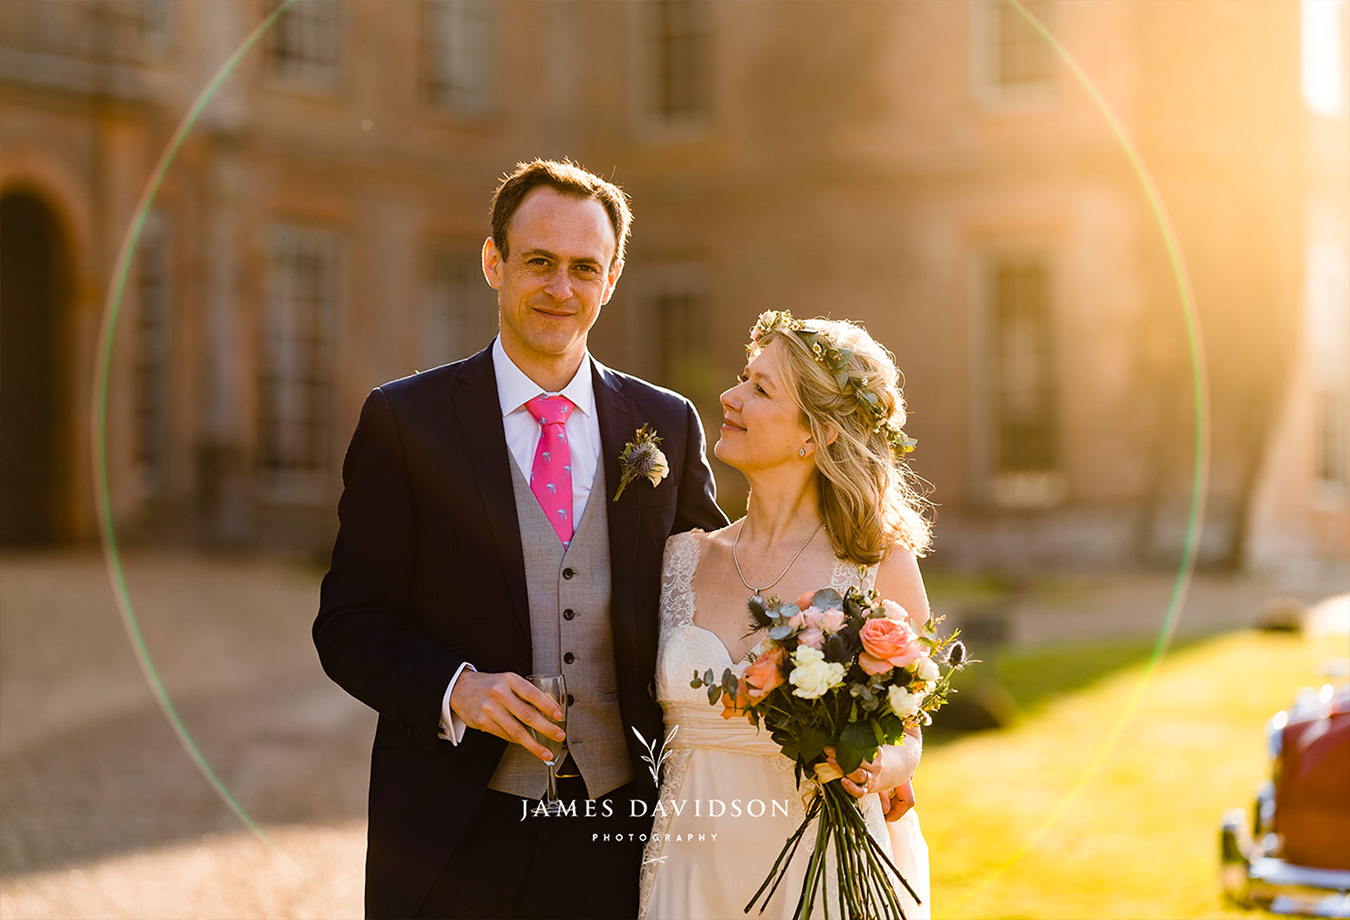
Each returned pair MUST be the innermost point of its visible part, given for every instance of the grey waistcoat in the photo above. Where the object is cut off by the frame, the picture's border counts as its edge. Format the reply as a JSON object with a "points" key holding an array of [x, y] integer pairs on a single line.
{"points": [[595, 731]]}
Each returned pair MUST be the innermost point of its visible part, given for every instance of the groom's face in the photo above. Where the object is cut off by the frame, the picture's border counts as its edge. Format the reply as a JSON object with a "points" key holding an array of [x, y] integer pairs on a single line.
{"points": [[558, 272]]}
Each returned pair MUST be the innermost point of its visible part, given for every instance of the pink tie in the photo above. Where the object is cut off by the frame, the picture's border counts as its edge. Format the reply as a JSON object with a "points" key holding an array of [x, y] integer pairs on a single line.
{"points": [[551, 475]]}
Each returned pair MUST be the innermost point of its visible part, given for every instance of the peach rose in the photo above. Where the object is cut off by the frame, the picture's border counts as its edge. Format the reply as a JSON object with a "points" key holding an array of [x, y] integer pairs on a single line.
{"points": [[832, 621], [894, 611], [805, 600], [740, 706], [811, 636], [765, 673], [886, 644]]}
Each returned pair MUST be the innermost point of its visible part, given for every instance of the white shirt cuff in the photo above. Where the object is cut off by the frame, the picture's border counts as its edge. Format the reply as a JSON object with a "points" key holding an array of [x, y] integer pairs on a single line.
{"points": [[455, 733]]}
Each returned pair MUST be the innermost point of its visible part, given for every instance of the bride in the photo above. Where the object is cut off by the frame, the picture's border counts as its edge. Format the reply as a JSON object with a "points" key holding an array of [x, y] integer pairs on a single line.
{"points": [[831, 503]]}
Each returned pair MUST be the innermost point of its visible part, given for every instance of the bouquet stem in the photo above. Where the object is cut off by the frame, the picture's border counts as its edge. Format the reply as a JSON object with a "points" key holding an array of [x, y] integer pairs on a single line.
{"points": [[864, 870]]}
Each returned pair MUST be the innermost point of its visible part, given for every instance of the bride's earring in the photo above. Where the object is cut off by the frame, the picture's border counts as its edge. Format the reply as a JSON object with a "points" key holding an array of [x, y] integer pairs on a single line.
{"points": [[801, 452]]}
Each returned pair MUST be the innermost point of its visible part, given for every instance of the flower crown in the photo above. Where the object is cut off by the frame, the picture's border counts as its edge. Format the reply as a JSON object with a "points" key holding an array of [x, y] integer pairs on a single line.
{"points": [[835, 359]]}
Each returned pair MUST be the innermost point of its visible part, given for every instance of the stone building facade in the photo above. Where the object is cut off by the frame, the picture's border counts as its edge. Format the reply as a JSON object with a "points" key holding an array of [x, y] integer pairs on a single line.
{"points": [[937, 170]]}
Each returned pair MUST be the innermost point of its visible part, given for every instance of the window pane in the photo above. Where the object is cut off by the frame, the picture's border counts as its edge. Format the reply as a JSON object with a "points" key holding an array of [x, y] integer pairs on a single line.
{"points": [[296, 369], [303, 45], [675, 62], [151, 370], [460, 48], [461, 307], [1017, 59], [1022, 360]]}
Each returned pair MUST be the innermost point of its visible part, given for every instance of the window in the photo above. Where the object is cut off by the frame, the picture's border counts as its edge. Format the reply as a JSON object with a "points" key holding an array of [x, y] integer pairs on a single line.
{"points": [[461, 306], [460, 41], [132, 29], [674, 322], [150, 366], [1328, 298], [1013, 62], [295, 386], [303, 44], [673, 60], [1326, 57], [1020, 386]]}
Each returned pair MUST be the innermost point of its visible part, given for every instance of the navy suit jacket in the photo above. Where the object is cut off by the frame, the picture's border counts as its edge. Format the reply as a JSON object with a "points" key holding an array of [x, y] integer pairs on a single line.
{"points": [[428, 573]]}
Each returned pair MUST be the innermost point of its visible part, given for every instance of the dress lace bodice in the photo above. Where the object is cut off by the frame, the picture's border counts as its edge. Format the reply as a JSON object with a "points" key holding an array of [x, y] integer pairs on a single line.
{"points": [[685, 645]]}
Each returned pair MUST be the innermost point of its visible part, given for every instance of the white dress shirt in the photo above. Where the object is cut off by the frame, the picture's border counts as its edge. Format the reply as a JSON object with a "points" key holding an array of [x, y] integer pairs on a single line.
{"points": [[514, 390]]}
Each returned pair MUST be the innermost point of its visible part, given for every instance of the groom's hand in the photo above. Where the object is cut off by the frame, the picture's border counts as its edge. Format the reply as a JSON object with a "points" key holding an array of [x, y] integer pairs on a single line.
{"points": [[506, 705]]}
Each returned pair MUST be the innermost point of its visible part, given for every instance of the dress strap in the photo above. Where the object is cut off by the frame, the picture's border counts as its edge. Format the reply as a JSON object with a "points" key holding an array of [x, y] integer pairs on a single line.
{"points": [[677, 578], [848, 574]]}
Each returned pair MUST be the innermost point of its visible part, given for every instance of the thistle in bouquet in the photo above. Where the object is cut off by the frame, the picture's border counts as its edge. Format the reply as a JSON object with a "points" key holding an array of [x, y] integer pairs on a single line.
{"points": [[848, 672]]}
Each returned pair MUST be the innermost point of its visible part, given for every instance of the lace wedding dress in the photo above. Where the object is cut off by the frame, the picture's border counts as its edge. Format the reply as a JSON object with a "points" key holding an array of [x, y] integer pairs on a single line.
{"points": [[729, 799]]}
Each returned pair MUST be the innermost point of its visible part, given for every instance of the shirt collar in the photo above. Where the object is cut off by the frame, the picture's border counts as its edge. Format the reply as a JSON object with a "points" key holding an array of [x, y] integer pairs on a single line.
{"points": [[514, 389]]}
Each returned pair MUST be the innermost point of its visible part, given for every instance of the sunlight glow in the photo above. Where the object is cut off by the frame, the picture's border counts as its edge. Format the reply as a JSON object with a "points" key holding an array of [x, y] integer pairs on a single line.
{"points": [[1324, 56]]}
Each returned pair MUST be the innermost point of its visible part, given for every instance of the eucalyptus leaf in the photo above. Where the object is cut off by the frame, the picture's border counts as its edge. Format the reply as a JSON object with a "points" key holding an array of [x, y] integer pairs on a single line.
{"points": [[780, 632], [827, 599]]}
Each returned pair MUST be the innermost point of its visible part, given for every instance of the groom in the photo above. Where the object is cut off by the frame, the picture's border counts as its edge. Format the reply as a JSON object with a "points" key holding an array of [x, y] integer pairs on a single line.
{"points": [[480, 541]]}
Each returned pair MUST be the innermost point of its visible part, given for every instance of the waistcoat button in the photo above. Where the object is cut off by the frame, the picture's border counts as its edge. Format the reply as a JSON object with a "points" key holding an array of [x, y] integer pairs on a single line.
{"points": [[568, 572], [569, 658], [569, 613], [571, 700]]}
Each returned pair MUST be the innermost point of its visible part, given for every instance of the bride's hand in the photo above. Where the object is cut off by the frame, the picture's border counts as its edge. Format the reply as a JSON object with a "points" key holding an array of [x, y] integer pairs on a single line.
{"points": [[893, 766], [864, 780]]}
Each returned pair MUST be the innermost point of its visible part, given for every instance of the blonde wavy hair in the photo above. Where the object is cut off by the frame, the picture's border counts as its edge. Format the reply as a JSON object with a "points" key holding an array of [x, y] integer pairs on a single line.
{"points": [[869, 497]]}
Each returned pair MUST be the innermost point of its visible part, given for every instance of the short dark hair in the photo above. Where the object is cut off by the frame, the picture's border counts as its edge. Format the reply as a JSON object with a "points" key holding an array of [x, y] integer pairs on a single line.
{"points": [[568, 178]]}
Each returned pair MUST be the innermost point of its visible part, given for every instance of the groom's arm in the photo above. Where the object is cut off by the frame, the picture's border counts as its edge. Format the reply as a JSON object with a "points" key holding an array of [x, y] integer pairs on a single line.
{"points": [[364, 632]]}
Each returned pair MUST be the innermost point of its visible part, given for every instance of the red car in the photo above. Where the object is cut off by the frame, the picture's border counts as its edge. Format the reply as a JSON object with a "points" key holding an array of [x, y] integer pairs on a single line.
{"points": [[1293, 856]]}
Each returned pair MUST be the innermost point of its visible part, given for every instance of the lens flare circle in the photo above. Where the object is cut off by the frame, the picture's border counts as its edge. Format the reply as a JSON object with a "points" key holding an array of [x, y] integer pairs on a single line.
{"points": [[112, 307], [1199, 473], [112, 559]]}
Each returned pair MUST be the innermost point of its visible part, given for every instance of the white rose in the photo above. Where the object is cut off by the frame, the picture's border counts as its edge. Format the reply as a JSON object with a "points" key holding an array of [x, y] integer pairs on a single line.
{"points": [[927, 670], [813, 676], [905, 704]]}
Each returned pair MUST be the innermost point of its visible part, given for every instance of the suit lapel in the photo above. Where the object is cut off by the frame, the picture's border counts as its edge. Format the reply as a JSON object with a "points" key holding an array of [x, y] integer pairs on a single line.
{"points": [[618, 424], [478, 408]]}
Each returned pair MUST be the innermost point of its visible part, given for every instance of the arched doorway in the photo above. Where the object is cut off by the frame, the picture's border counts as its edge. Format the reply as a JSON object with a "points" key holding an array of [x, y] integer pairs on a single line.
{"points": [[33, 291]]}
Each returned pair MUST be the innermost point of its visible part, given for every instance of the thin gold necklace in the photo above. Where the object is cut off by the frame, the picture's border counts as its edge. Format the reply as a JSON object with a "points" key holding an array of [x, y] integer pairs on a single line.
{"points": [[737, 542]]}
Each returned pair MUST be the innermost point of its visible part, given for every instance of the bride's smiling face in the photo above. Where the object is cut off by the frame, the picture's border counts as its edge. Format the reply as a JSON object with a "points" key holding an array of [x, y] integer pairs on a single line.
{"points": [[761, 423]]}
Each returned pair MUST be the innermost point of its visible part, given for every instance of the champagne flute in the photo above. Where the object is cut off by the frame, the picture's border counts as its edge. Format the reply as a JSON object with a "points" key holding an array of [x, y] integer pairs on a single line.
{"points": [[554, 687]]}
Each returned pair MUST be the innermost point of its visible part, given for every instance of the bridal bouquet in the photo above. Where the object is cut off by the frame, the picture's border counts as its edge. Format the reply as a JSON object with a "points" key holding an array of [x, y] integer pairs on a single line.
{"points": [[847, 672]]}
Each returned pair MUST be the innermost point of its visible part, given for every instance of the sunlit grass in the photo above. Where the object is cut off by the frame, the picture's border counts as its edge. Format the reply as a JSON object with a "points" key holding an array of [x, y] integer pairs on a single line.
{"points": [[1139, 837]]}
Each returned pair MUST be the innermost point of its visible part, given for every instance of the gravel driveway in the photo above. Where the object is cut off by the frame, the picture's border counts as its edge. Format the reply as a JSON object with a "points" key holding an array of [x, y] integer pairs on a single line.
{"points": [[105, 813]]}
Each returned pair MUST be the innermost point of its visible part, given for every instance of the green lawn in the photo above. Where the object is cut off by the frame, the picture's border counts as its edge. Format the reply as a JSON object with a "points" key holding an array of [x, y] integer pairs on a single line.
{"points": [[1103, 799]]}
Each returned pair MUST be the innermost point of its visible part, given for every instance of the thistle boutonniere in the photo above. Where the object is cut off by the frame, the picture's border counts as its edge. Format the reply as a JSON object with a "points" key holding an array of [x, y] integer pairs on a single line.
{"points": [[642, 459]]}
